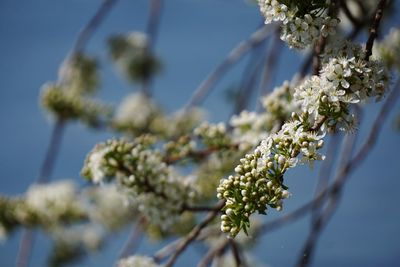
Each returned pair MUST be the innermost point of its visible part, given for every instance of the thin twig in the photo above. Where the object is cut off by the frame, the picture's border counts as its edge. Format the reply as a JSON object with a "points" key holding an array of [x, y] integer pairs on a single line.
{"points": [[236, 253], [212, 253], [201, 208], [325, 173], [153, 23], [87, 31], [318, 49], [52, 151], [373, 32], [193, 235], [249, 78], [270, 67], [237, 53], [133, 240], [317, 224]]}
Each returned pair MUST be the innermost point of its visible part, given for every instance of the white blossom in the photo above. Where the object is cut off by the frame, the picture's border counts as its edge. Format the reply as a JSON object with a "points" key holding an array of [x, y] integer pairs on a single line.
{"points": [[52, 201], [137, 261], [136, 111]]}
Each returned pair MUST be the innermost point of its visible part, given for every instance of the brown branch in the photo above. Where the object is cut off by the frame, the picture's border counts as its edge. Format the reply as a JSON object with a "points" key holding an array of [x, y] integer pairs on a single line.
{"points": [[373, 32], [198, 154], [193, 235], [212, 253], [318, 49], [201, 208], [167, 250], [236, 253]]}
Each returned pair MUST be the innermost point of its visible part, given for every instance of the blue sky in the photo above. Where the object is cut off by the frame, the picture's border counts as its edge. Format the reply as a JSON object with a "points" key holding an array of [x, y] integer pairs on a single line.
{"points": [[195, 35]]}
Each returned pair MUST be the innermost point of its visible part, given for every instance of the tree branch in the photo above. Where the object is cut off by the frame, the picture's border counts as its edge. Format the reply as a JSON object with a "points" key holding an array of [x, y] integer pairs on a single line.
{"points": [[373, 32], [193, 235]]}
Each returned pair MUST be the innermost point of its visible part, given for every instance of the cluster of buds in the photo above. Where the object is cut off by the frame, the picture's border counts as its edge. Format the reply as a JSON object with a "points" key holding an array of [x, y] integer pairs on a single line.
{"points": [[69, 98], [303, 22], [68, 105], [258, 181], [157, 191]]}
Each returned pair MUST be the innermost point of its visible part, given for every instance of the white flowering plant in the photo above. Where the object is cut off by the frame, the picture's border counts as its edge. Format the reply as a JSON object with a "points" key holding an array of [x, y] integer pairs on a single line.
{"points": [[161, 171]]}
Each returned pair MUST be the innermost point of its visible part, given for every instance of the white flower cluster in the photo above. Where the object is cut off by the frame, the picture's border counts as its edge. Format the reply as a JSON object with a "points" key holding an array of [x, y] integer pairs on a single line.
{"points": [[342, 81], [108, 207], [137, 113], [279, 101], [137, 261], [324, 101], [87, 235], [213, 135], [158, 192], [249, 128], [259, 178], [184, 121], [68, 104], [53, 203], [389, 49], [303, 22], [339, 48]]}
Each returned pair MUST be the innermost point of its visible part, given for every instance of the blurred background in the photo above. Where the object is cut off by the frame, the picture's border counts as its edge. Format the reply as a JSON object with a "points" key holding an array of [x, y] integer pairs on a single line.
{"points": [[194, 36]]}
